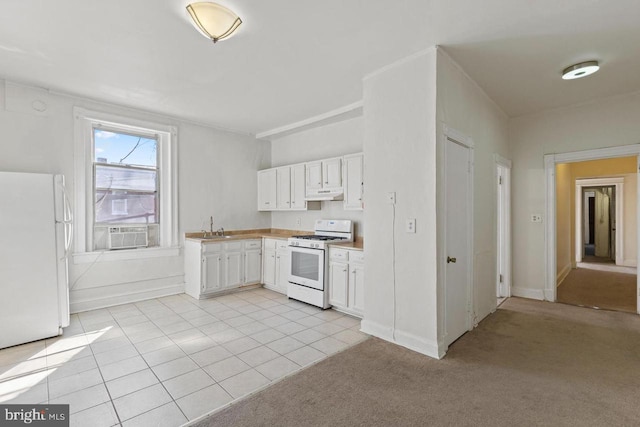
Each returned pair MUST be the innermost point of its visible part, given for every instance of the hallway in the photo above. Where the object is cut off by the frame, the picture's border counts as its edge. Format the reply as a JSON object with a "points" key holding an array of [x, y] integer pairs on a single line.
{"points": [[599, 289]]}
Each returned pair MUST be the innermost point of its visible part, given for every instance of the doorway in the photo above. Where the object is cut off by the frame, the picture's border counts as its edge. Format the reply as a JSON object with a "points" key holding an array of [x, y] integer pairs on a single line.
{"points": [[503, 229], [595, 233], [456, 258]]}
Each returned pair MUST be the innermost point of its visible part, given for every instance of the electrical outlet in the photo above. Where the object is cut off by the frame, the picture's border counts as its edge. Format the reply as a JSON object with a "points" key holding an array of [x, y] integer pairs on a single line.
{"points": [[536, 218], [298, 221], [391, 197], [411, 225]]}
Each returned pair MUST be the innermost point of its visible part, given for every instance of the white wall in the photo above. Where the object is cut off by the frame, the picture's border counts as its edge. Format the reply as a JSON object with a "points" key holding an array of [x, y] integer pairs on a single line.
{"points": [[400, 156], [463, 106], [216, 172], [604, 123], [326, 141]]}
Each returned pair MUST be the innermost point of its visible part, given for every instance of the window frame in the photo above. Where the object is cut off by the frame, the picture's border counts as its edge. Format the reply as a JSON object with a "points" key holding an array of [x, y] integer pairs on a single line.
{"points": [[166, 135]]}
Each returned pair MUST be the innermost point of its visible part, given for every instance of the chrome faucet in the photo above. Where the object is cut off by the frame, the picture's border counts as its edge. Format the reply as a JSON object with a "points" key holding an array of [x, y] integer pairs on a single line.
{"points": [[211, 225], [220, 232]]}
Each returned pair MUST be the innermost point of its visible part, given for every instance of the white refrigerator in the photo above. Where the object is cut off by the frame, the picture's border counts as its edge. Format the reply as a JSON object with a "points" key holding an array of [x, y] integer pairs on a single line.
{"points": [[35, 237]]}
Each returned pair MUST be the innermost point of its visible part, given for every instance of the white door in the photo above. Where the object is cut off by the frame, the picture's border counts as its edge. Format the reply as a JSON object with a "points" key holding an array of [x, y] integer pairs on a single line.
{"points": [[602, 224], [314, 175], [283, 193], [332, 173], [267, 190], [338, 281], [297, 187], [211, 279], [283, 265], [269, 268], [233, 269], [503, 210], [458, 237], [353, 182], [252, 261], [356, 287]]}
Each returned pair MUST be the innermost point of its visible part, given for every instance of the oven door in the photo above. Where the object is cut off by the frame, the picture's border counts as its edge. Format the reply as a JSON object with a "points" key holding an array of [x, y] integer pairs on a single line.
{"points": [[307, 267]]}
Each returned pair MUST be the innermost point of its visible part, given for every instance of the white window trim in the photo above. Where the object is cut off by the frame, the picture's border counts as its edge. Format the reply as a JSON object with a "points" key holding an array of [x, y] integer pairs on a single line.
{"points": [[84, 121]]}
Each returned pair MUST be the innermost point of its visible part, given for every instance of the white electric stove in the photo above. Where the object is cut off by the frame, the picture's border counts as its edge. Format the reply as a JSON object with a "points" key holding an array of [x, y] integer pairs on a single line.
{"points": [[309, 264]]}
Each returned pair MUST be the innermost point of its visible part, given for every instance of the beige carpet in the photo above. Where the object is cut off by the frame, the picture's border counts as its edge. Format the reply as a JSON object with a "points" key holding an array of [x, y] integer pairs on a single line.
{"points": [[530, 364], [601, 289]]}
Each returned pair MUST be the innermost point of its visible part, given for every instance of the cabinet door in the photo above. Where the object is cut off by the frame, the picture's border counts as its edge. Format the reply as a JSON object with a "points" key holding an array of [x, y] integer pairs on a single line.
{"points": [[356, 288], [314, 176], [283, 265], [267, 185], [297, 187], [252, 265], [233, 269], [338, 280], [283, 193], [332, 173], [211, 273], [353, 184], [269, 268]]}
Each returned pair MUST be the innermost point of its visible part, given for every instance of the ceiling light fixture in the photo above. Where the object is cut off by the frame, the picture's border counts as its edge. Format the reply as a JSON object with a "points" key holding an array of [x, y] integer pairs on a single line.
{"points": [[214, 21], [582, 69]]}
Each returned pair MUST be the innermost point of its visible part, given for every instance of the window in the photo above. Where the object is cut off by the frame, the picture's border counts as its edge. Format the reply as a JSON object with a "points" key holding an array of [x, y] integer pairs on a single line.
{"points": [[126, 181]]}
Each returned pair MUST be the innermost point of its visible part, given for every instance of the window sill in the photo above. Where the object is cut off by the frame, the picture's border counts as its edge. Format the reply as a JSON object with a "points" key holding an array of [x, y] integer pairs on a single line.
{"points": [[124, 254]]}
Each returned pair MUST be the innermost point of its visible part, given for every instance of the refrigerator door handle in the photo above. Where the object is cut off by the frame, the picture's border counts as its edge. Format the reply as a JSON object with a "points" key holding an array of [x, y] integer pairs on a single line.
{"points": [[67, 221]]}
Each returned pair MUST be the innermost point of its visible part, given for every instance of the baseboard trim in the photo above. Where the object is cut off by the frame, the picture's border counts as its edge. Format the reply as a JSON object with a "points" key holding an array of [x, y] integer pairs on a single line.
{"points": [[563, 274], [404, 339], [528, 293], [110, 301]]}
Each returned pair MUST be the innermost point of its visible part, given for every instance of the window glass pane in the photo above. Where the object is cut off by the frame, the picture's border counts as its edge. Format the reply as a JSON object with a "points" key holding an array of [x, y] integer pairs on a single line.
{"points": [[124, 178], [120, 148], [116, 206]]}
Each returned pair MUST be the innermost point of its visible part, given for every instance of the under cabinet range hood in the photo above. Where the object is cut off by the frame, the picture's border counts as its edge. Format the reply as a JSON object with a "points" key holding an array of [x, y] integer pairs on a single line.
{"points": [[320, 195]]}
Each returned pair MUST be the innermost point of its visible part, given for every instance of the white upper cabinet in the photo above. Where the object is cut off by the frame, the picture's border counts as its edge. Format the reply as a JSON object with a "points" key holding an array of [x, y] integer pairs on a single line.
{"points": [[353, 168], [314, 176], [298, 187], [283, 190], [267, 185], [332, 173], [324, 179]]}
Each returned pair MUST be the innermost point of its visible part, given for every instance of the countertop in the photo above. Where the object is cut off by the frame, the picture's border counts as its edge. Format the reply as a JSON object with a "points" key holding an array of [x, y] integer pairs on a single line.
{"points": [[357, 245], [270, 233]]}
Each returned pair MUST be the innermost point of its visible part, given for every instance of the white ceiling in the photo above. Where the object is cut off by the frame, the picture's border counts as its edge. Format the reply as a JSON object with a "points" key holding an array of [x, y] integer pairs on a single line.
{"points": [[294, 59]]}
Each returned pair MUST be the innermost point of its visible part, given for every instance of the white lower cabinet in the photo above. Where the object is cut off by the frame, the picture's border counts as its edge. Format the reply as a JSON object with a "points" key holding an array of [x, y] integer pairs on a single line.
{"points": [[275, 265], [212, 267], [346, 280]]}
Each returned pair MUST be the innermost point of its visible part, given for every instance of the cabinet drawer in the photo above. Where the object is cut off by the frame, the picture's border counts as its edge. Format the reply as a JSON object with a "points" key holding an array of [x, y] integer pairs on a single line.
{"points": [[339, 254], [282, 245], [270, 244], [209, 248], [233, 246], [252, 244], [356, 256]]}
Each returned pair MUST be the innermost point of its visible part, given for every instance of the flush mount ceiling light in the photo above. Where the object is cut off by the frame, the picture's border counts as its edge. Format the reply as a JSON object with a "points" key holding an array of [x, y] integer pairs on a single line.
{"points": [[582, 69], [214, 21]]}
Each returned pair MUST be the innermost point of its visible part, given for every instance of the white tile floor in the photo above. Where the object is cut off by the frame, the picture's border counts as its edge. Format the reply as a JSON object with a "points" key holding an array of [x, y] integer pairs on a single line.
{"points": [[169, 360]]}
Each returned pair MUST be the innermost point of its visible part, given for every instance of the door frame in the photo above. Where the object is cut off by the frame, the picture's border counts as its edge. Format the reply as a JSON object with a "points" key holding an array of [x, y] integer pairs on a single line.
{"points": [[503, 226], [550, 161], [449, 134], [618, 183]]}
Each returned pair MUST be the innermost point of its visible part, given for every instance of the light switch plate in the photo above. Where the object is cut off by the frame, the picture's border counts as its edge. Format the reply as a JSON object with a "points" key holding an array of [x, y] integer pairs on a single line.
{"points": [[536, 218], [411, 225]]}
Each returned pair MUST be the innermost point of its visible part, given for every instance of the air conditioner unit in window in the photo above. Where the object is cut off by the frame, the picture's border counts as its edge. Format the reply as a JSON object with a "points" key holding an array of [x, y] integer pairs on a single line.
{"points": [[127, 237]]}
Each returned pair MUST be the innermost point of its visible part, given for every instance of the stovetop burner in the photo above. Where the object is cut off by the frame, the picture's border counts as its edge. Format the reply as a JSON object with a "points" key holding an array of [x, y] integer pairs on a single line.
{"points": [[314, 237]]}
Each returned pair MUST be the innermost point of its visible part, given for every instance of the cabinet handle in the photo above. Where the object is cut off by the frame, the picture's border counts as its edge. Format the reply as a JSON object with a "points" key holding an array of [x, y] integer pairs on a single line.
{"points": [[344, 271], [267, 203]]}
